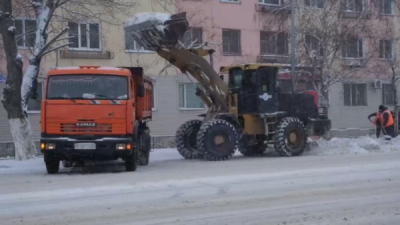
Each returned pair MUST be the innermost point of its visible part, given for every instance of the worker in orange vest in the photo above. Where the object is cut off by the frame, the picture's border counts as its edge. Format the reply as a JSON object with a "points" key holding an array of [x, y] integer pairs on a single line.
{"points": [[387, 121], [376, 122]]}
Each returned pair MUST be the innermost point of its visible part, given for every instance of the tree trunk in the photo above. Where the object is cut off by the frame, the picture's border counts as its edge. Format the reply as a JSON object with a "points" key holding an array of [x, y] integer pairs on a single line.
{"points": [[324, 96], [19, 123]]}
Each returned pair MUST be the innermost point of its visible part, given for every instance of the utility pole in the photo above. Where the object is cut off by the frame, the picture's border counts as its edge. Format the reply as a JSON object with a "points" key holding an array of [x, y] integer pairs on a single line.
{"points": [[292, 43]]}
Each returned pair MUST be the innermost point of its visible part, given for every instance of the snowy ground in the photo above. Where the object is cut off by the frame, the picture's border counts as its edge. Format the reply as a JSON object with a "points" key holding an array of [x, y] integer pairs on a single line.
{"points": [[343, 181]]}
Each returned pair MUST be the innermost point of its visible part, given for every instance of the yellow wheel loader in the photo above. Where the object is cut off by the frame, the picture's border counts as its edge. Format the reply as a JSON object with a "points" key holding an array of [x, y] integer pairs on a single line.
{"points": [[249, 113]]}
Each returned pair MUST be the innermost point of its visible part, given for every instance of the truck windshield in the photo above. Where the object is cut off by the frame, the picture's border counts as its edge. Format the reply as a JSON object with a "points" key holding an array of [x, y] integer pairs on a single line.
{"points": [[107, 87]]}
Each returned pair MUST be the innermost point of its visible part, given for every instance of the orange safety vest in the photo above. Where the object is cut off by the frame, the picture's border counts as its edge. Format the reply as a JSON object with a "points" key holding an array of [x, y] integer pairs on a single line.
{"points": [[376, 117], [390, 118]]}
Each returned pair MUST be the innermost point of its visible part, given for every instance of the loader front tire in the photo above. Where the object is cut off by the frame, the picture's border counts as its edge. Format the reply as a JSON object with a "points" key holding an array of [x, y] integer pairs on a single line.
{"points": [[218, 139], [185, 139], [290, 137]]}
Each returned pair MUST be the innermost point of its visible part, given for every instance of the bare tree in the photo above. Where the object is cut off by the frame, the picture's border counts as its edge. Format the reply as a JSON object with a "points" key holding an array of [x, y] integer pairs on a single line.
{"points": [[12, 93], [332, 43], [51, 16]]}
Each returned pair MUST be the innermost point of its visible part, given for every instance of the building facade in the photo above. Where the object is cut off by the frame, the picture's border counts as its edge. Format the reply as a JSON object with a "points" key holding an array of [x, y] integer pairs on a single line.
{"points": [[244, 31]]}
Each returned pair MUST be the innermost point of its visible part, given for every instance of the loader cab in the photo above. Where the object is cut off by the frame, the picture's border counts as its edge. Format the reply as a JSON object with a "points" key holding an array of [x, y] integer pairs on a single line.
{"points": [[255, 88]]}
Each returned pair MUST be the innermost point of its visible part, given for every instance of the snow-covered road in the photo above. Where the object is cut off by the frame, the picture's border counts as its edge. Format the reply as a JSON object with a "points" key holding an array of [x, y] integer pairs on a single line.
{"points": [[313, 189]]}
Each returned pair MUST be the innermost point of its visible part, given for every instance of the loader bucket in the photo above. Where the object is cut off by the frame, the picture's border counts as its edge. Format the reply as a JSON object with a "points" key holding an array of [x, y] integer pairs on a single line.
{"points": [[157, 30]]}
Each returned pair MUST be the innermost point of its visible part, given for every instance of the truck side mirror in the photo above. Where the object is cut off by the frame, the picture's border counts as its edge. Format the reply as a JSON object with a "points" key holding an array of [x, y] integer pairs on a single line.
{"points": [[140, 90]]}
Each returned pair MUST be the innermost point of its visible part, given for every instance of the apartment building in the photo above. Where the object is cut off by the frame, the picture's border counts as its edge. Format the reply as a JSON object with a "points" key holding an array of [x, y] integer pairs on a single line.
{"points": [[104, 44], [240, 31], [247, 31]]}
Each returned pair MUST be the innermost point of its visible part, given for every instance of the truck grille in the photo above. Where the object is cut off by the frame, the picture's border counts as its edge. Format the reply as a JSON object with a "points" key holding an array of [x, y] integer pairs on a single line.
{"points": [[99, 128]]}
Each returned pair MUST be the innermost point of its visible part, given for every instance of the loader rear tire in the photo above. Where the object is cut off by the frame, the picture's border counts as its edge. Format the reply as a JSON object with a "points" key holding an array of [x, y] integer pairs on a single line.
{"points": [[290, 137], [217, 139], [185, 139]]}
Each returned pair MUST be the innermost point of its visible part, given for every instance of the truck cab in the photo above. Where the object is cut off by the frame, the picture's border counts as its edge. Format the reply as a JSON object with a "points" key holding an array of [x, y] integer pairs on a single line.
{"points": [[96, 113]]}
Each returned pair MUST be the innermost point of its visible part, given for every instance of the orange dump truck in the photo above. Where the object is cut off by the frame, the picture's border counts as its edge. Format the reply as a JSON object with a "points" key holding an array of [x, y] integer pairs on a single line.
{"points": [[96, 113]]}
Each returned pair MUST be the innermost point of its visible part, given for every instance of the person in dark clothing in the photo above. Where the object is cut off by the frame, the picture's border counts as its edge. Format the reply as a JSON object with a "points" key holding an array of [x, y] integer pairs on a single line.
{"points": [[387, 121], [376, 122]]}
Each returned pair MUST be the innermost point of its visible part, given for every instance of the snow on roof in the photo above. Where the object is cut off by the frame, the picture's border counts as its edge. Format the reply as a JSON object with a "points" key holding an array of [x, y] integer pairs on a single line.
{"points": [[146, 16], [77, 68], [67, 68]]}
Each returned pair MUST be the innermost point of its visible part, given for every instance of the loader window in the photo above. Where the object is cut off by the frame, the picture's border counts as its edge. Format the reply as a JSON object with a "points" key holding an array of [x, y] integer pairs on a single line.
{"points": [[100, 87], [235, 79], [242, 79]]}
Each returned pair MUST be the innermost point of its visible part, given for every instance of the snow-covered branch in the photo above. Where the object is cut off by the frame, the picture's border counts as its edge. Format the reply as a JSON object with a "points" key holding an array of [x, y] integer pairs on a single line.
{"points": [[54, 39]]}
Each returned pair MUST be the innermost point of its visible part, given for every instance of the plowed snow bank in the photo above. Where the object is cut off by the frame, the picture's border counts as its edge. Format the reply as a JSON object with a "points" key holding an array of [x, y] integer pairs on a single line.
{"points": [[359, 145]]}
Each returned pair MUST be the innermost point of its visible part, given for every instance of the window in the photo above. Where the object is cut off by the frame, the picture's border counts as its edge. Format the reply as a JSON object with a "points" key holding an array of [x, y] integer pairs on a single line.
{"points": [[188, 98], [85, 36], [353, 48], [270, 2], [25, 32], [132, 46], [34, 104], [355, 94], [272, 43], [387, 94], [385, 6], [313, 44], [314, 3], [386, 49], [351, 5], [231, 1], [231, 41], [193, 37]]}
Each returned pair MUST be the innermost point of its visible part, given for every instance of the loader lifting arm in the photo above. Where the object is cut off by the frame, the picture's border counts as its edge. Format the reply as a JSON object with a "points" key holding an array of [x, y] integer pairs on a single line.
{"points": [[162, 35]]}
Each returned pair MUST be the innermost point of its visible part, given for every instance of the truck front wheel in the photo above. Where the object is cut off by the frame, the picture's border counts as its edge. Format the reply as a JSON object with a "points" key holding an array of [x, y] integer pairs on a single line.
{"points": [[52, 163], [131, 162]]}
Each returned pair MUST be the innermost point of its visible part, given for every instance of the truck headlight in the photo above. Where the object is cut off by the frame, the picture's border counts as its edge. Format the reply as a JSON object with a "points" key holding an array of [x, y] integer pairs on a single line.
{"points": [[50, 146], [322, 110], [120, 146], [124, 146]]}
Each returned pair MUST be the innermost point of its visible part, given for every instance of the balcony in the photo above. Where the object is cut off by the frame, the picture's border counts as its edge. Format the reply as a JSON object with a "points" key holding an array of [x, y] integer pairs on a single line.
{"points": [[75, 54], [353, 62], [355, 15], [271, 8], [278, 59]]}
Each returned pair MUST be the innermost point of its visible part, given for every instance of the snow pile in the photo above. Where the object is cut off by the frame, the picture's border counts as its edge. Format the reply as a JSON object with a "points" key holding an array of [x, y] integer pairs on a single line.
{"points": [[148, 16], [359, 145]]}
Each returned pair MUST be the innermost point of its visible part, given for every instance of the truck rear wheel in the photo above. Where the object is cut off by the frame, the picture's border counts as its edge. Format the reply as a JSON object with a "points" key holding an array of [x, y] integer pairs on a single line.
{"points": [[290, 137], [52, 163], [185, 140], [217, 139], [131, 161], [145, 147]]}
